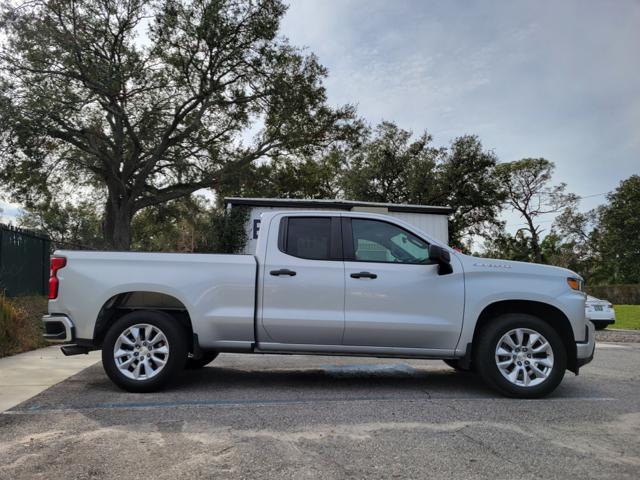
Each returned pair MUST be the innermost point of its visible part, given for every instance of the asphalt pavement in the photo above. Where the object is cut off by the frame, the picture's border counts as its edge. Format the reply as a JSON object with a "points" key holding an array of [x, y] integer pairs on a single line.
{"points": [[259, 416]]}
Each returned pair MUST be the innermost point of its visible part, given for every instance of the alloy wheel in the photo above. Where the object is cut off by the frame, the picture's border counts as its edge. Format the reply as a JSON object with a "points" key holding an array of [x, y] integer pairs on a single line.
{"points": [[141, 351], [524, 357]]}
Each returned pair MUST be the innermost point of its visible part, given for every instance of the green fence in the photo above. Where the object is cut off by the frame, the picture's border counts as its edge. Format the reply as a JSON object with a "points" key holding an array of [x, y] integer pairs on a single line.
{"points": [[24, 262]]}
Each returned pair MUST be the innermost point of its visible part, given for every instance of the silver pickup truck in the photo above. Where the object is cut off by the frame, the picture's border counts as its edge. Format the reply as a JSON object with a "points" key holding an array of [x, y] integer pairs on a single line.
{"points": [[322, 283]]}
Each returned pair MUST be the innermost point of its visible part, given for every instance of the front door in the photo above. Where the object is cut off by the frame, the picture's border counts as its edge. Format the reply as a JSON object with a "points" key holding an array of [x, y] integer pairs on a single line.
{"points": [[303, 294], [394, 297]]}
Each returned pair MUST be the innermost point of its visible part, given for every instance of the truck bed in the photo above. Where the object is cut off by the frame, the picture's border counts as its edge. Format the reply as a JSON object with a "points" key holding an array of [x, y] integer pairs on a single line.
{"points": [[217, 290]]}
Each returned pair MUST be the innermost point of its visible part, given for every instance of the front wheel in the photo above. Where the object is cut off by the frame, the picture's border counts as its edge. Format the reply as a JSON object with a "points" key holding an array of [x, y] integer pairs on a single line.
{"points": [[521, 356], [144, 350]]}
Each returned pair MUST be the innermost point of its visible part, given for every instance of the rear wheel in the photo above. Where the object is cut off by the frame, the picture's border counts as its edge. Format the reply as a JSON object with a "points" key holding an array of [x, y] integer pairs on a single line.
{"points": [[521, 356], [144, 350]]}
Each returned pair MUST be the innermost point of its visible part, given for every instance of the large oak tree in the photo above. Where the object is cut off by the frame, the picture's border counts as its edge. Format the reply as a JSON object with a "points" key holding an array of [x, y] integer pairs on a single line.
{"points": [[150, 101]]}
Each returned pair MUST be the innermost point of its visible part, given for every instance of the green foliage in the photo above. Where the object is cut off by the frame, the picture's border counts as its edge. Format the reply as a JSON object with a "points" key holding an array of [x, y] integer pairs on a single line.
{"points": [[85, 102], [180, 225], [74, 225], [619, 294], [527, 191], [467, 183], [190, 224], [386, 165], [392, 166], [285, 177], [501, 244], [229, 233], [619, 233]]}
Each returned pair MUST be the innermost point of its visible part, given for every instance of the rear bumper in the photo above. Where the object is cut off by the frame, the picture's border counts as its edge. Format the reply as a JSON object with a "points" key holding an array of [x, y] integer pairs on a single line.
{"points": [[586, 349], [601, 316], [58, 329]]}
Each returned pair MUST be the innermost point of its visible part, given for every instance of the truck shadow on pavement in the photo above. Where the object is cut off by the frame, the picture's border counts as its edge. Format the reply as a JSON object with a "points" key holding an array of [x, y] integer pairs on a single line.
{"points": [[350, 378], [215, 385]]}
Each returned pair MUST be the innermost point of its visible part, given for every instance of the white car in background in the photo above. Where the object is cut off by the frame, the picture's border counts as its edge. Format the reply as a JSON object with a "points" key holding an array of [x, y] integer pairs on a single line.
{"points": [[600, 312]]}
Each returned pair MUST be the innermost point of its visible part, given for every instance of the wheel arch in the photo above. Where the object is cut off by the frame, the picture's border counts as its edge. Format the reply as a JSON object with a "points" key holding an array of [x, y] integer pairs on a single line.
{"points": [[549, 314], [122, 303]]}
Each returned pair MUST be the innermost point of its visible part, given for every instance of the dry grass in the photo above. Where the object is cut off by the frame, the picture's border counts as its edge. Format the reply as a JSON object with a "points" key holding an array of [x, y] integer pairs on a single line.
{"points": [[20, 326]]}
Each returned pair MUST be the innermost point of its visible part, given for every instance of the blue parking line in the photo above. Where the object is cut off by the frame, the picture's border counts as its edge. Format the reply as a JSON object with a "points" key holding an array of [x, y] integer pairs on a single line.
{"points": [[38, 409], [202, 403]]}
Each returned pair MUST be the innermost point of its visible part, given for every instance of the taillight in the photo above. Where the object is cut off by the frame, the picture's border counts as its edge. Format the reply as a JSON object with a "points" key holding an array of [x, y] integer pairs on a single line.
{"points": [[56, 264]]}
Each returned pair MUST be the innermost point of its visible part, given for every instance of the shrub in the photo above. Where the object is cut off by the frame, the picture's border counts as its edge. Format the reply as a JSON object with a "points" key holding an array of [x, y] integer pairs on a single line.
{"points": [[617, 294], [20, 328]]}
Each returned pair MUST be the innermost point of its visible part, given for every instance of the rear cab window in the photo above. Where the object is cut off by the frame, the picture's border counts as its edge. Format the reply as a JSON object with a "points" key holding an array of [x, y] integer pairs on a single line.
{"points": [[311, 238]]}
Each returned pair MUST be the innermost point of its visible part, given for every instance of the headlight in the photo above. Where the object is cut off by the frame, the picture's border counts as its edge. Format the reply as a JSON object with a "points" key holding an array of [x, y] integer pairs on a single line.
{"points": [[574, 284]]}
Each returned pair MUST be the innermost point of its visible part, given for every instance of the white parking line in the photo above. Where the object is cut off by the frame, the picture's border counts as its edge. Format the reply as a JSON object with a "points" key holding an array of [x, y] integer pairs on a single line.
{"points": [[613, 346]]}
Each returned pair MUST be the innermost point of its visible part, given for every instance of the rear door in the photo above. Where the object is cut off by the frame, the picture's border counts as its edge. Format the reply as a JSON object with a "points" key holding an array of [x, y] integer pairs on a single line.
{"points": [[303, 293], [394, 297]]}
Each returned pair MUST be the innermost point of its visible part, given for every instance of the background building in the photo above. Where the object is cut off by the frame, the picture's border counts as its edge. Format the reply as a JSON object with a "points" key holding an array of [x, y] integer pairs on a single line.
{"points": [[432, 220]]}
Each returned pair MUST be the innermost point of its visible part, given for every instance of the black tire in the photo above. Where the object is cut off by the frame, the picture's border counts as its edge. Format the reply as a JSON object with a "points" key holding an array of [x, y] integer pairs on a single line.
{"points": [[485, 359], [600, 326], [177, 355], [203, 361], [455, 364]]}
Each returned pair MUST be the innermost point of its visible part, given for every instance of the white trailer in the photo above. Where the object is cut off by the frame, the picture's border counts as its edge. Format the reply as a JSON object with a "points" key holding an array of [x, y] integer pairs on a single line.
{"points": [[431, 220]]}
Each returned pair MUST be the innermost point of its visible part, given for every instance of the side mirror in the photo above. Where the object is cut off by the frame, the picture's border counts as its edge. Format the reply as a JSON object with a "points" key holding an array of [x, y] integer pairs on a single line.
{"points": [[442, 257]]}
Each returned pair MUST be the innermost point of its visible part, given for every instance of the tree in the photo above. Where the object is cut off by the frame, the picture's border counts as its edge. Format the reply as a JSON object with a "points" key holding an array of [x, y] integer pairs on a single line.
{"points": [[181, 225], [572, 242], [190, 224], [392, 166], [67, 224], [286, 177], [619, 233], [526, 187], [87, 99], [466, 181], [501, 244]]}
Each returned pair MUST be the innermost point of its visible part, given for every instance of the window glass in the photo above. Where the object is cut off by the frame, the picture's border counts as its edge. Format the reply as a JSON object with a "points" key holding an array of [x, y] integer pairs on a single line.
{"points": [[375, 241], [309, 238]]}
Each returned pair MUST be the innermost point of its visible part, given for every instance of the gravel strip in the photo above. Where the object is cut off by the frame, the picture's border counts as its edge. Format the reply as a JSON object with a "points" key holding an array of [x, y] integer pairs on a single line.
{"points": [[621, 336]]}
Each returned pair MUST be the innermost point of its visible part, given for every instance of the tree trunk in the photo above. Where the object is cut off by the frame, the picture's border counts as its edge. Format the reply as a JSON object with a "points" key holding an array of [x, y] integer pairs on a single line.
{"points": [[117, 223], [535, 240], [537, 251]]}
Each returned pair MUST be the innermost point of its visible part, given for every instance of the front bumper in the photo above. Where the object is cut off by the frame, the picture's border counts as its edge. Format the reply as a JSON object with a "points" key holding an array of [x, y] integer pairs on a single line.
{"points": [[586, 349], [58, 329]]}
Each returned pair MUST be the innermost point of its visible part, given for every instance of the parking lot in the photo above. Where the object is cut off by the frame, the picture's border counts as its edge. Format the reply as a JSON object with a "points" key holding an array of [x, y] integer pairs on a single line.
{"points": [[254, 416]]}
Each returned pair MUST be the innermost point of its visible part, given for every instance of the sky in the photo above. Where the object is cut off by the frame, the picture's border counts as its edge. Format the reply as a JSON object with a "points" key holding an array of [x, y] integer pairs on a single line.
{"points": [[559, 80]]}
